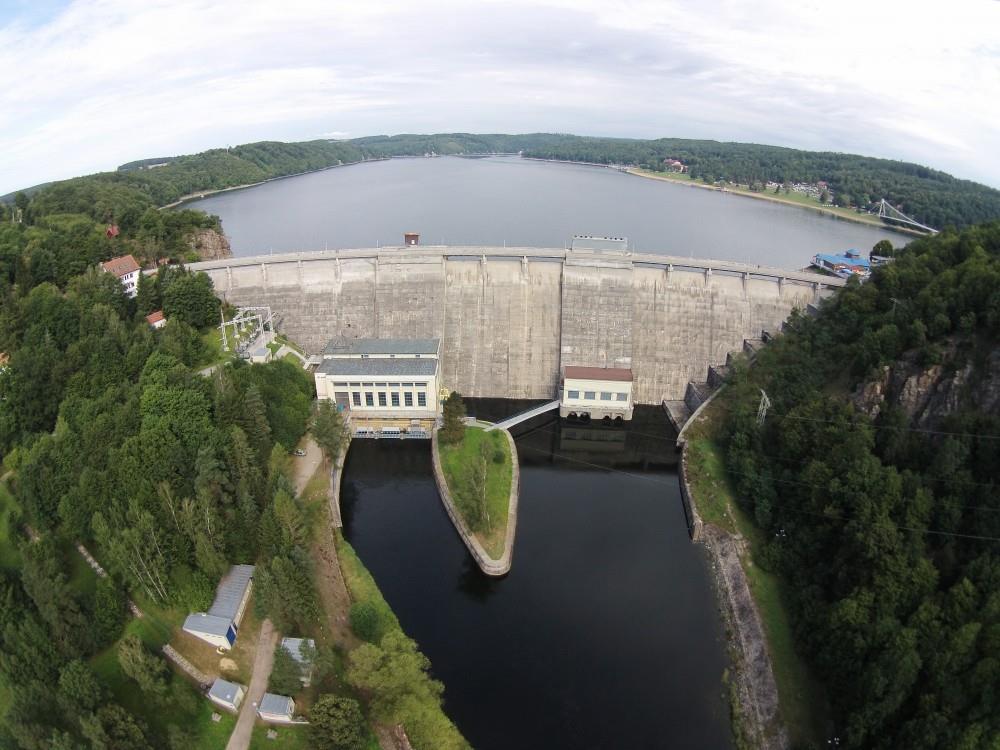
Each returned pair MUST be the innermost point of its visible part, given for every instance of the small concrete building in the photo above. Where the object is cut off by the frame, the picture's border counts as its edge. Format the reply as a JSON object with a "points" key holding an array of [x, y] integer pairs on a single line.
{"points": [[221, 623], [301, 650], [227, 695], [276, 709], [596, 393], [381, 379], [126, 269]]}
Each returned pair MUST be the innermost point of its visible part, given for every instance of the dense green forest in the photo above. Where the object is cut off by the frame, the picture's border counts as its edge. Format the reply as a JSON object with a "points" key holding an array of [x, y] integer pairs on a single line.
{"points": [[930, 196], [110, 435], [875, 478]]}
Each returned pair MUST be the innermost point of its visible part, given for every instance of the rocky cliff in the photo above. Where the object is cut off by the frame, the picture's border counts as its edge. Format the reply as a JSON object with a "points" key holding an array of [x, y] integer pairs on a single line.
{"points": [[210, 245], [929, 393]]}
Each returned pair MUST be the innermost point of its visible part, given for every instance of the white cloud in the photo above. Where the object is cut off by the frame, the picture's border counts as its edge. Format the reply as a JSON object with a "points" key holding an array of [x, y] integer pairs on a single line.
{"points": [[99, 82]]}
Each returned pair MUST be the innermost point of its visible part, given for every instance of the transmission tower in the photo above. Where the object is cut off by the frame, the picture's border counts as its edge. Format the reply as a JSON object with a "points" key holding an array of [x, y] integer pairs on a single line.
{"points": [[765, 404]]}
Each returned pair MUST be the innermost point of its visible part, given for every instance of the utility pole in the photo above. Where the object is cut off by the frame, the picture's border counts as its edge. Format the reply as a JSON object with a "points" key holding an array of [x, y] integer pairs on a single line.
{"points": [[765, 404]]}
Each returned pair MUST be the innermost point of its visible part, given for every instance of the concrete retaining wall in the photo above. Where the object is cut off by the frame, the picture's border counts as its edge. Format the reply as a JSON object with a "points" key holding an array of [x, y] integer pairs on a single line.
{"points": [[510, 318], [489, 565]]}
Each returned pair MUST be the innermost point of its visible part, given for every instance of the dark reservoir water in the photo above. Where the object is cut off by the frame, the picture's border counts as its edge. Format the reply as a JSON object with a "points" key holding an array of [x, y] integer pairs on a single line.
{"points": [[491, 201], [605, 632]]}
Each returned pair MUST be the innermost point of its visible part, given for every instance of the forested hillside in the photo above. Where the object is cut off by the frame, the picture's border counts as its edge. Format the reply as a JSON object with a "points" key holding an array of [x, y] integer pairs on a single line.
{"points": [[115, 435], [875, 479], [930, 196]]}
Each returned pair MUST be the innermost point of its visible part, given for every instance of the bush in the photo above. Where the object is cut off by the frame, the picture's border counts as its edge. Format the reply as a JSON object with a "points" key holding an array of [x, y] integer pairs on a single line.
{"points": [[498, 456], [336, 723], [365, 621]]}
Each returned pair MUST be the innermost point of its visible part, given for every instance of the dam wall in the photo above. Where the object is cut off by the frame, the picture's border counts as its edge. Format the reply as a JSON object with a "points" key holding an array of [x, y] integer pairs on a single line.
{"points": [[510, 318]]}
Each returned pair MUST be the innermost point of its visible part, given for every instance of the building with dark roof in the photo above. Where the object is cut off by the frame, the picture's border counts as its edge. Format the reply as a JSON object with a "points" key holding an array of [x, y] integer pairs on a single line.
{"points": [[381, 379]]}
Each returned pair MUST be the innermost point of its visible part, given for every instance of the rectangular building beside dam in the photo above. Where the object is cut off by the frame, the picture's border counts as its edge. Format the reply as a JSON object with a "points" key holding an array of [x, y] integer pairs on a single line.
{"points": [[381, 381]]}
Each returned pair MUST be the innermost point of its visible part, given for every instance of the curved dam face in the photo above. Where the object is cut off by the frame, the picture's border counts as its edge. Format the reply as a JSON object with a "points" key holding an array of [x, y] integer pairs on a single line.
{"points": [[510, 318]]}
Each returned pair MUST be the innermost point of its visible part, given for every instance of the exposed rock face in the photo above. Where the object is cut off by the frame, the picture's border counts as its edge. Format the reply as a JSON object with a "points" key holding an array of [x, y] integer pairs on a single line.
{"points": [[211, 245], [929, 394]]}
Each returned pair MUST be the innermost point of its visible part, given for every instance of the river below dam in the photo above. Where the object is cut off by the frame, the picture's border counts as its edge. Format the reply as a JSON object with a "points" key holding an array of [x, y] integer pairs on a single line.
{"points": [[605, 634], [514, 201]]}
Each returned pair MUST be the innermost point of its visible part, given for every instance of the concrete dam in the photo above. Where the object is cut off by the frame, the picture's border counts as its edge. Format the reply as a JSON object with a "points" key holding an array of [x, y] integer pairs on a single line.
{"points": [[510, 318]]}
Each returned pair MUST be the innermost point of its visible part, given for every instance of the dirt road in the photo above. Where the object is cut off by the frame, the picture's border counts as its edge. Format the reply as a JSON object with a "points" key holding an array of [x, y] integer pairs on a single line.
{"points": [[262, 663]]}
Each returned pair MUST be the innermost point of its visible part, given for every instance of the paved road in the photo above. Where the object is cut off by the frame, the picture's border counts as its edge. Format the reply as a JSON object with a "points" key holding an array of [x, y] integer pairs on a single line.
{"points": [[262, 663]]}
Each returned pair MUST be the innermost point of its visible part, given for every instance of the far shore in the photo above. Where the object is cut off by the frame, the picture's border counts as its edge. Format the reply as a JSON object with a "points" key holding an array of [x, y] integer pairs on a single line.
{"points": [[827, 211], [206, 193]]}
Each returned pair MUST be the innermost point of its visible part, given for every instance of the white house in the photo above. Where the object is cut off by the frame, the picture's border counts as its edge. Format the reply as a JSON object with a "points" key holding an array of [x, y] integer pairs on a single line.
{"points": [[227, 695], [221, 623], [301, 650], [596, 393], [381, 378], [276, 709], [127, 270]]}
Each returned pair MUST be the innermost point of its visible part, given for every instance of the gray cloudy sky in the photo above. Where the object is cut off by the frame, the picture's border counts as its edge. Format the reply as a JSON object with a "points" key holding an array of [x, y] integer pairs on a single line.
{"points": [[91, 84]]}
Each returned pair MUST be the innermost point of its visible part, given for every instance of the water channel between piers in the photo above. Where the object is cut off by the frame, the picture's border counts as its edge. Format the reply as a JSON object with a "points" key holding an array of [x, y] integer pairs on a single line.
{"points": [[605, 634]]}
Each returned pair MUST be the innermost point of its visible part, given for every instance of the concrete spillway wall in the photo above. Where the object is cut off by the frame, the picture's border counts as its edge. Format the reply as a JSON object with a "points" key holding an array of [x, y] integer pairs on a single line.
{"points": [[510, 318]]}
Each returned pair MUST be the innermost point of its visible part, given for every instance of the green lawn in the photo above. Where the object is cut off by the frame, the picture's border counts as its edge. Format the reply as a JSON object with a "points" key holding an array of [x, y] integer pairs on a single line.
{"points": [[362, 586], [802, 700], [289, 738], [212, 341], [457, 461]]}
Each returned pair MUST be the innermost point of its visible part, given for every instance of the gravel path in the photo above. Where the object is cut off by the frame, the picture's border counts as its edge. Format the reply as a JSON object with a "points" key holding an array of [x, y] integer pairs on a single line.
{"points": [[262, 663]]}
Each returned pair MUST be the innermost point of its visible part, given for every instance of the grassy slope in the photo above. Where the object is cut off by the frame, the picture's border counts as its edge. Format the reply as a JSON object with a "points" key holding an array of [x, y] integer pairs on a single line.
{"points": [[803, 702], [443, 734], [456, 461]]}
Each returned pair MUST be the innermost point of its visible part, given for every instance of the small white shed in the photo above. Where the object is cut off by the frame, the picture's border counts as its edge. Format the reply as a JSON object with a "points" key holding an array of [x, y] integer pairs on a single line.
{"points": [[227, 695], [276, 709]]}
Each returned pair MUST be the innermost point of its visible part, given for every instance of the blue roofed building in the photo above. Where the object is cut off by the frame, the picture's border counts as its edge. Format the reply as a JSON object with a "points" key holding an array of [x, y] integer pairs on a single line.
{"points": [[851, 263]]}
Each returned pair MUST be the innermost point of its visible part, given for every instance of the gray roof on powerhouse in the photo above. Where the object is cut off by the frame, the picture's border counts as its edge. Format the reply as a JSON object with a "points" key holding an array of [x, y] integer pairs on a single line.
{"points": [[230, 592], [355, 347], [274, 704], [359, 368]]}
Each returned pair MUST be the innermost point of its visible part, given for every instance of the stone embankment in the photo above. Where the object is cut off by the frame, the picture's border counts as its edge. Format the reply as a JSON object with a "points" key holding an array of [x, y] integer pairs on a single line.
{"points": [[755, 693], [489, 565]]}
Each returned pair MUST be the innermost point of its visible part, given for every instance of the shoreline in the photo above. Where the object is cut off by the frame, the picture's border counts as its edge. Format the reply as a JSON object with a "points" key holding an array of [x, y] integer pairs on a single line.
{"points": [[763, 196], [208, 193], [489, 565]]}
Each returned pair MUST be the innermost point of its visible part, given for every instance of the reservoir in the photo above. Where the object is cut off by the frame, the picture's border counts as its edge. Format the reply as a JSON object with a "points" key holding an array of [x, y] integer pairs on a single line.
{"points": [[498, 200], [605, 634]]}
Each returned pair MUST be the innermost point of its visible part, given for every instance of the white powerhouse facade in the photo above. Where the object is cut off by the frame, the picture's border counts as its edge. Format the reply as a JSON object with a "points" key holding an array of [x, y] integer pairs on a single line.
{"points": [[596, 393], [381, 378]]}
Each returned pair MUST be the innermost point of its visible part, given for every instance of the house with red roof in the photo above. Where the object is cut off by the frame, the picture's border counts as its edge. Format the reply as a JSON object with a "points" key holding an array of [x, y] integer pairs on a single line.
{"points": [[127, 270], [156, 319], [596, 393]]}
